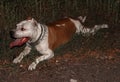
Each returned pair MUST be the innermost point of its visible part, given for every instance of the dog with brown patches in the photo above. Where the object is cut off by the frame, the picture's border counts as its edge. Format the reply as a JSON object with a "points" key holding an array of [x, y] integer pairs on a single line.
{"points": [[45, 38]]}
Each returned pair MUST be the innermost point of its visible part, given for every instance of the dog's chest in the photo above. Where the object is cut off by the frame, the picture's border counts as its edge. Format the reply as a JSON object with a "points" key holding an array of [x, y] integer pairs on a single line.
{"points": [[43, 45]]}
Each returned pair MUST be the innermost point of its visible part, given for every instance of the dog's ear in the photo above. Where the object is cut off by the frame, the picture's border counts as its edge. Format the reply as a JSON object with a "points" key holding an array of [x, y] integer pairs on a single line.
{"points": [[34, 21]]}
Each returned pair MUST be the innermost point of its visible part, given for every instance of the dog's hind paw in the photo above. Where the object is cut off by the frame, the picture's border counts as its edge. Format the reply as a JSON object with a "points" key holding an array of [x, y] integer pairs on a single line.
{"points": [[32, 66]]}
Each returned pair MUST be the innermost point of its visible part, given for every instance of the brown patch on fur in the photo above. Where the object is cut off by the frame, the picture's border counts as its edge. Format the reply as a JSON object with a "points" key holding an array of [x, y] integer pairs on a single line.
{"points": [[60, 32]]}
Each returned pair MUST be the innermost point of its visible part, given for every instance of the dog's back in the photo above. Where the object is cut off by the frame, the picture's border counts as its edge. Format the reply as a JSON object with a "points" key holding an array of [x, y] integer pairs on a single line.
{"points": [[60, 32]]}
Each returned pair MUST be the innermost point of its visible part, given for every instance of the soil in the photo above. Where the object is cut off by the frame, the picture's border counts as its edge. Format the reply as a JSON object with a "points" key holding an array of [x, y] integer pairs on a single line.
{"points": [[84, 59]]}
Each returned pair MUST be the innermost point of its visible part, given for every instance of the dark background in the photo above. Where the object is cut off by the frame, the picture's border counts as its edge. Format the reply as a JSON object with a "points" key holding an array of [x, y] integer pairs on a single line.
{"points": [[85, 59], [44, 11]]}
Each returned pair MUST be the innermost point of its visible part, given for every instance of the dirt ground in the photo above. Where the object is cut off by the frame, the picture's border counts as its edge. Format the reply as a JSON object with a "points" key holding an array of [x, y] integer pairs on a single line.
{"points": [[84, 59]]}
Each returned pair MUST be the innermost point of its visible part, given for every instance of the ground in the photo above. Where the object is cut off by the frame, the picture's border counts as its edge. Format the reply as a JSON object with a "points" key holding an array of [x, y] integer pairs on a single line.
{"points": [[94, 58]]}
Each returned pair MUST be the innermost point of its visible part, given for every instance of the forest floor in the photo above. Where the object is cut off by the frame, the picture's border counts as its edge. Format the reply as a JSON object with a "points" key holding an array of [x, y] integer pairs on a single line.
{"points": [[84, 59]]}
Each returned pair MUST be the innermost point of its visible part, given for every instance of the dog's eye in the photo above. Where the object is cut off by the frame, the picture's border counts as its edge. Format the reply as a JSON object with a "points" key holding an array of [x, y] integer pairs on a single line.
{"points": [[22, 29]]}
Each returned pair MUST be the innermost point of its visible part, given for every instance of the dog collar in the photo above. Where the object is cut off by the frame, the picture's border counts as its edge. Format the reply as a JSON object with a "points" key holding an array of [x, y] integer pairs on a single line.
{"points": [[41, 36]]}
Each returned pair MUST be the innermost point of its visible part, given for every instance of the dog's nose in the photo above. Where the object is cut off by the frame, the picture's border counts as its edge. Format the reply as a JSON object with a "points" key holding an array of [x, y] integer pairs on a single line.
{"points": [[11, 34]]}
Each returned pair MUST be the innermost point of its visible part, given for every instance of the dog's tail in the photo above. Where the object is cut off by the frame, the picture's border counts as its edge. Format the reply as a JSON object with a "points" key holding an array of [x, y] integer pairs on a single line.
{"points": [[82, 19]]}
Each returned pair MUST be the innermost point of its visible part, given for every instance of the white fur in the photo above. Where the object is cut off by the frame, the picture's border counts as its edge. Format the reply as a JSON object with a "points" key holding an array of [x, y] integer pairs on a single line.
{"points": [[87, 31], [22, 54], [77, 24], [82, 18], [42, 47], [34, 33], [59, 25]]}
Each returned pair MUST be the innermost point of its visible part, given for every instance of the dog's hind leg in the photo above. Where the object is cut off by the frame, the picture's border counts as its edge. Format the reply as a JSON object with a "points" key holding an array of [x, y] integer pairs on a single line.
{"points": [[22, 54], [47, 54], [80, 28], [88, 31]]}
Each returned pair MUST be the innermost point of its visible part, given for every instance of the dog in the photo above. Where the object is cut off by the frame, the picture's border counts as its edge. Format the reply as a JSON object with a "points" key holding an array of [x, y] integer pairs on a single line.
{"points": [[46, 38]]}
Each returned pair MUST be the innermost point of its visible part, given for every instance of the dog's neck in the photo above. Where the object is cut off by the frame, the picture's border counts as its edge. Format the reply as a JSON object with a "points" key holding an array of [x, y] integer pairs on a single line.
{"points": [[42, 29]]}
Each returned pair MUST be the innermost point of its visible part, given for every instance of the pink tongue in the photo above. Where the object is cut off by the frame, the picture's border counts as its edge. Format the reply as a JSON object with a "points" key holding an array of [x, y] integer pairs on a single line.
{"points": [[18, 42]]}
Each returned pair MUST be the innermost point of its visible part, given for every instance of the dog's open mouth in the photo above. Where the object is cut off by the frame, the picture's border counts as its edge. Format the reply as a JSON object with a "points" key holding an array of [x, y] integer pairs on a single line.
{"points": [[19, 42]]}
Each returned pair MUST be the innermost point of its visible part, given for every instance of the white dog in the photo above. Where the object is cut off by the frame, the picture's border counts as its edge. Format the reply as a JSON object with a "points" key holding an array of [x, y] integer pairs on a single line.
{"points": [[45, 38]]}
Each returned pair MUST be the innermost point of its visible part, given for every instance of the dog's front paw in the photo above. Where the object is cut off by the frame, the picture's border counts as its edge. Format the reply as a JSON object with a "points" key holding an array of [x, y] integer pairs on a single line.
{"points": [[32, 66], [17, 60]]}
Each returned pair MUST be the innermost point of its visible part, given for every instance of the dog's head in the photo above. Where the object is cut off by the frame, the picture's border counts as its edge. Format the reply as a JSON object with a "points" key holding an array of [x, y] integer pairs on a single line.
{"points": [[25, 29]]}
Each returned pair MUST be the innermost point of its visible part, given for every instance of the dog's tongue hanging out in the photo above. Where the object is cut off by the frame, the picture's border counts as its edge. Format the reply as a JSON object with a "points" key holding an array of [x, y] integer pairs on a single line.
{"points": [[19, 42]]}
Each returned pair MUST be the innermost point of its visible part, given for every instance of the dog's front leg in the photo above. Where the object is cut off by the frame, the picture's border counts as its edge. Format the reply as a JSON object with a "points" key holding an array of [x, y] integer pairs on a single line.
{"points": [[22, 54], [47, 54]]}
